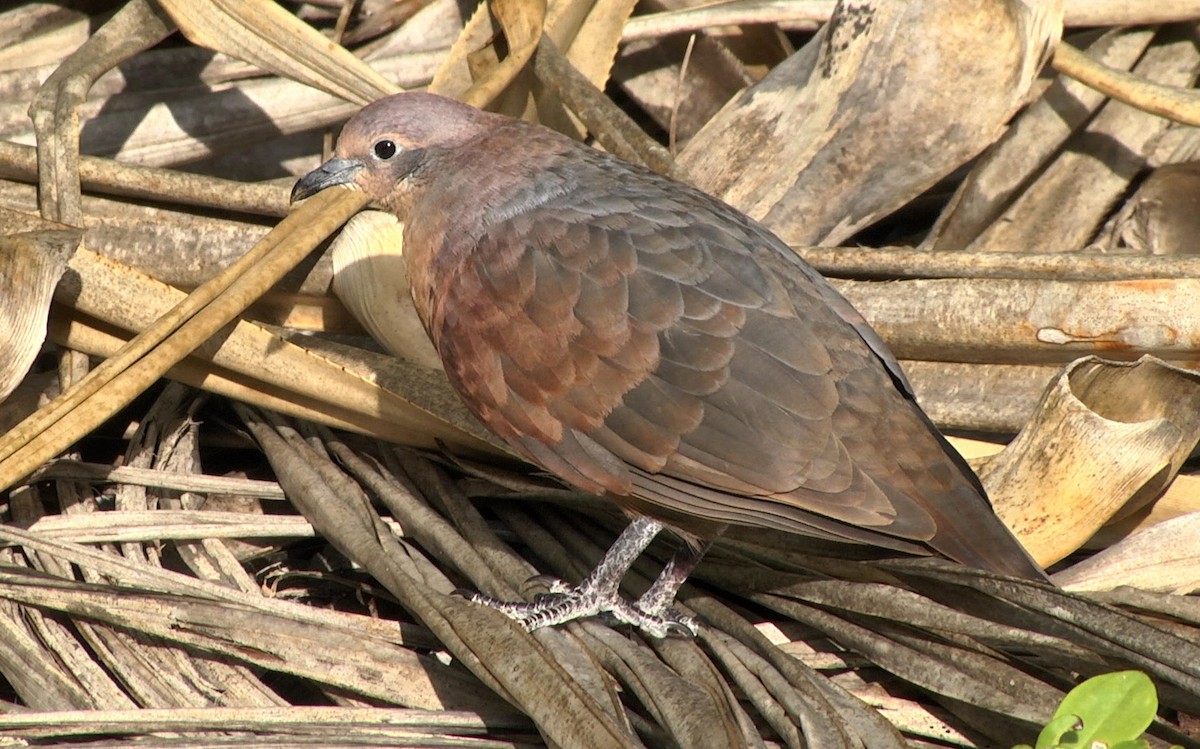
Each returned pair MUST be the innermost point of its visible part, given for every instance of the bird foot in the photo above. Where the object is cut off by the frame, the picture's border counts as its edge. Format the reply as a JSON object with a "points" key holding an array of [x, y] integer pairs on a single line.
{"points": [[562, 602]]}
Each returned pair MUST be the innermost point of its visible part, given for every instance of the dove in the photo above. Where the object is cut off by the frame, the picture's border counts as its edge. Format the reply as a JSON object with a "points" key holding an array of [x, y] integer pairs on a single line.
{"points": [[644, 341]]}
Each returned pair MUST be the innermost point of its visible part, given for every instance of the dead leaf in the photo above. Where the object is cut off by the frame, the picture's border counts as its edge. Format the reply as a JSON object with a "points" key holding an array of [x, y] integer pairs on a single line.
{"points": [[1164, 557], [1161, 218], [815, 151], [1108, 437], [1034, 139], [1074, 193], [473, 71], [262, 32], [30, 266]]}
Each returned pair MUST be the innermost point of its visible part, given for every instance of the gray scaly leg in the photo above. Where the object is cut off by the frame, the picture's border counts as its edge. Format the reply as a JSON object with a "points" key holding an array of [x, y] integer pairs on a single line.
{"points": [[599, 593]]}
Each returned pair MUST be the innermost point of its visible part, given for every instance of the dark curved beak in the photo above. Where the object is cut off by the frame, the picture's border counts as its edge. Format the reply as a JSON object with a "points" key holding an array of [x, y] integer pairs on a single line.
{"points": [[333, 172]]}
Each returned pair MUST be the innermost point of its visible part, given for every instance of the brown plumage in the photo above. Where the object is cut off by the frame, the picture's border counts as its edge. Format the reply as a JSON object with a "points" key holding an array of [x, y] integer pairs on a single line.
{"points": [[639, 338]]}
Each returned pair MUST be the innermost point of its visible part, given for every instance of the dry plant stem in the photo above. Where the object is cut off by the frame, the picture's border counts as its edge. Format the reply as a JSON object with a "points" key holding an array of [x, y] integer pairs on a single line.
{"points": [[488, 643], [1105, 154], [259, 116], [902, 606], [696, 666], [673, 123], [611, 126], [195, 482], [821, 702], [787, 14], [186, 611], [565, 551], [60, 29], [1183, 608], [321, 381], [149, 446], [626, 674], [386, 724], [1181, 498], [1160, 218], [1107, 631], [119, 380], [151, 183], [426, 526], [1027, 322], [752, 686], [522, 23], [808, 697], [511, 570], [1125, 13], [545, 546], [648, 72], [48, 683], [180, 247], [693, 662], [69, 657], [586, 31], [139, 24], [151, 579], [305, 313], [992, 398], [732, 653], [1160, 558], [162, 675], [248, 635], [567, 651], [890, 263], [818, 119], [974, 678], [78, 335], [1173, 102], [166, 118], [1094, 449], [678, 703], [810, 14], [164, 525]]}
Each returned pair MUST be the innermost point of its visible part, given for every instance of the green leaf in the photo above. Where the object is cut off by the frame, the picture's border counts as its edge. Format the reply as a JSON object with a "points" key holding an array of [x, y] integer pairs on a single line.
{"points": [[1057, 731], [1113, 708]]}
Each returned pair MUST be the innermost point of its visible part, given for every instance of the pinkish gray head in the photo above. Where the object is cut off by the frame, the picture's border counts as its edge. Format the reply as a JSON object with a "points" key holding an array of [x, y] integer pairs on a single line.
{"points": [[390, 140]]}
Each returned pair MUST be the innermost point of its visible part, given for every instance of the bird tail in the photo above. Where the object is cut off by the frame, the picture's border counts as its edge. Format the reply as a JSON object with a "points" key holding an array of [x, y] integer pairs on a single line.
{"points": [[989, 545]]}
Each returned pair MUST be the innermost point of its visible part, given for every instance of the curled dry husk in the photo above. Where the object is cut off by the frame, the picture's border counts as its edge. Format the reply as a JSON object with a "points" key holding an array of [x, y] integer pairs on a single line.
{"points": [[30, 265], [1108, 438]]}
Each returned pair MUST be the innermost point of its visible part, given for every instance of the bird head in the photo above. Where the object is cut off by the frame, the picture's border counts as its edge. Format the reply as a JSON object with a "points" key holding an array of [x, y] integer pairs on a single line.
{"points": [[390, 141]]}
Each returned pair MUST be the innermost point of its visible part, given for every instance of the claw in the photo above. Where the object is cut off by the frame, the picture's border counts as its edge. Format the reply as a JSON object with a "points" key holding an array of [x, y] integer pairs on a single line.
{"points": [[540, 585], [684, 626]]}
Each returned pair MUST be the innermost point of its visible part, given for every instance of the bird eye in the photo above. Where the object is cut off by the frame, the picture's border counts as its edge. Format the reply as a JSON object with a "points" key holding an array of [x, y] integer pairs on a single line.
{"points": [[385, 149]]}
